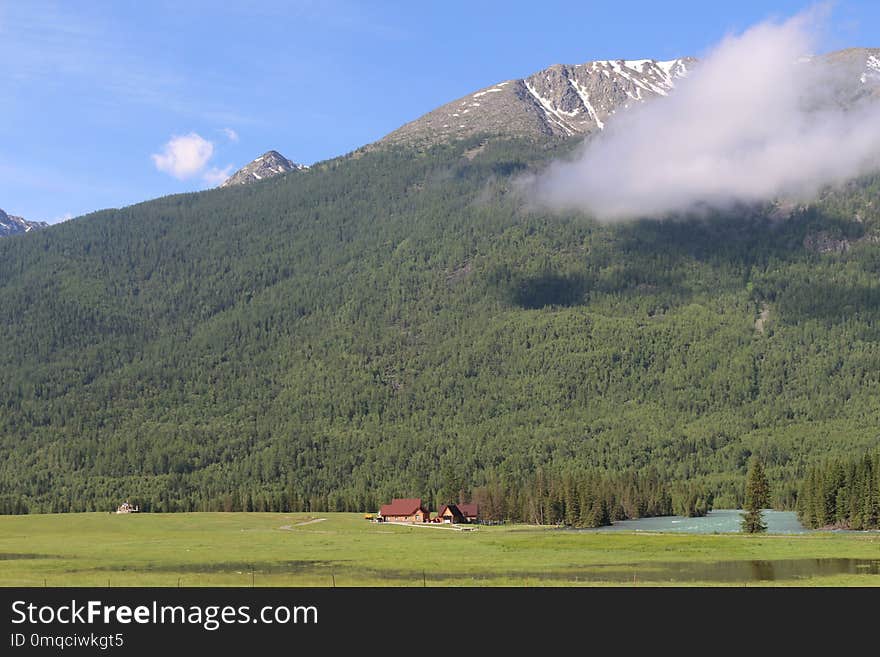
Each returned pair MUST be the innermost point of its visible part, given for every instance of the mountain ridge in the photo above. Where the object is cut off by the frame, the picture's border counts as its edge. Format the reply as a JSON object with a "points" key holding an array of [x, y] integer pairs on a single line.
{"points": [[558, 101], [565, 100]]}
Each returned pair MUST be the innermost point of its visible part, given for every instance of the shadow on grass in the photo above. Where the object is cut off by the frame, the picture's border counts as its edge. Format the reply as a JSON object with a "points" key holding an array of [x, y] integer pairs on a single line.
{"points": [[664, 571], [16, 556]]}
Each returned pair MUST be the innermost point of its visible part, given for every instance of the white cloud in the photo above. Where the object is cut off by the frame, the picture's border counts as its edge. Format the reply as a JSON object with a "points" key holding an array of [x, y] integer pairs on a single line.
{"points": [[752, 122], [184, 156], [215, 176], [231, 134]]}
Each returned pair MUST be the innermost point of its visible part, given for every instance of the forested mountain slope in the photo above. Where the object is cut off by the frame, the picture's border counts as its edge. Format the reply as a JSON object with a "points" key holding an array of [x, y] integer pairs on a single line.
{"points": [[401, 322]]}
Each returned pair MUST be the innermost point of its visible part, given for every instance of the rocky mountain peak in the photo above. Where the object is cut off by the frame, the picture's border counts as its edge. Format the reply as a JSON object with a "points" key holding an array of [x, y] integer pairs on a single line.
{"points": [[12, 225], [269, 164], [559, 101]]}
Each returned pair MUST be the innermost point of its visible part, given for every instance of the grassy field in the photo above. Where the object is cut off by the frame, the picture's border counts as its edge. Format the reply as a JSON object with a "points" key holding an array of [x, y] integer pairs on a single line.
{"points": [[268, 549]]}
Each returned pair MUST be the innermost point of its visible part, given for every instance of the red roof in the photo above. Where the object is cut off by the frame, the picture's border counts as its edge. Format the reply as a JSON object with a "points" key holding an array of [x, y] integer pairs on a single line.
{"points": [[454, 508], [402, 507], [468, 510]]}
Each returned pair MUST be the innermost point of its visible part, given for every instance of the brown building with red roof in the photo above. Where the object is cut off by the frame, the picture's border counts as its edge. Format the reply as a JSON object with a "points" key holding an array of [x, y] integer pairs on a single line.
{"points": [[471, 512], [405, 510], [449, 513], [457, 513]]}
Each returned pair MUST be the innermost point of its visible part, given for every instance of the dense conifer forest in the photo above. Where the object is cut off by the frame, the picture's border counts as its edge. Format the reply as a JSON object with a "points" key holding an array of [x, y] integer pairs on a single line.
{"points": [[843, 493], [404, 323]]}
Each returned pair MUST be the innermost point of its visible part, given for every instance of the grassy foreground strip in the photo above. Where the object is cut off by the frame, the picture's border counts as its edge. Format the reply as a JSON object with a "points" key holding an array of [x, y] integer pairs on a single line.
{"points": [[272, 549]]}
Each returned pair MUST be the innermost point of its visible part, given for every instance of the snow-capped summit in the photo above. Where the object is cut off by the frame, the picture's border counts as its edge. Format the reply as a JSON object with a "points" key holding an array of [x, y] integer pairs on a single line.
{"points": [[562, 100], [267, 165], [11, 225]]}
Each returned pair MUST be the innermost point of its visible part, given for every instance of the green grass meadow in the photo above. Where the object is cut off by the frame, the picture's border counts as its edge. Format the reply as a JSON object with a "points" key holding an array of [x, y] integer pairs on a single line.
{"points": [[342, 549]]}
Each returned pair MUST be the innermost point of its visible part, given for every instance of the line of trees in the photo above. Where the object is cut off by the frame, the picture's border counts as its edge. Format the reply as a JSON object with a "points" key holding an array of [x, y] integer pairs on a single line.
{"points": [[842, 493], [585, 498], [588, 498]]}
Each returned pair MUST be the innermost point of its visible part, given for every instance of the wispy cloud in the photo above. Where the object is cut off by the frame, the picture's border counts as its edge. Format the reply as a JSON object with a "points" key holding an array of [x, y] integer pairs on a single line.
{"points": [[184, 156], [753, 121], [231, 134], [55, 46]]}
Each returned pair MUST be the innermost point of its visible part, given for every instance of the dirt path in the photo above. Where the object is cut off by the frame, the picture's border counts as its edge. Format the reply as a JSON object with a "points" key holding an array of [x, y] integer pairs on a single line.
{"points": [[432, 525], [300, 524]]}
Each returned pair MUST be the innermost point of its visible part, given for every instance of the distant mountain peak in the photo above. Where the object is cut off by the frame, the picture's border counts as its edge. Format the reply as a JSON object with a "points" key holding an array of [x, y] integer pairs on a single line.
{"points": [[268, 165], [12, 225]]}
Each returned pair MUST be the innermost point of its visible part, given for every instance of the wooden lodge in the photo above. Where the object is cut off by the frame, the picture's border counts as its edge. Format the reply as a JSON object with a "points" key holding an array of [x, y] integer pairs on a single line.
{"points": [[404, 510], [471, 512], [412, 510], [449, 514], [457, 514]]}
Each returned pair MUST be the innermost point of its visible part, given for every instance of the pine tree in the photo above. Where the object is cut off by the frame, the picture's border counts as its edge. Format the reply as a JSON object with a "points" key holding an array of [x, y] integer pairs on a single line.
{"points": [[757, 497]]}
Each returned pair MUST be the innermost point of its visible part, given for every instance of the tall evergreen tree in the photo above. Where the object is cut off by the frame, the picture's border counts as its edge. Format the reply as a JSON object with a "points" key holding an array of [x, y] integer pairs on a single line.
{"points": [[757, 497]]}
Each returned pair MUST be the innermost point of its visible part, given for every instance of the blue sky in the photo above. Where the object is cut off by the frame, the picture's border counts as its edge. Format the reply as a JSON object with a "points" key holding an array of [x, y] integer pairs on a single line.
{"points": [[93, 92]]}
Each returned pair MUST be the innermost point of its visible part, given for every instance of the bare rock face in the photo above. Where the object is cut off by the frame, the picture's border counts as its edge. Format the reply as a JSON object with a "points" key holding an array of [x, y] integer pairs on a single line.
{"points": [[12, 225], [823, 242], [560, 101], [266, 166]]}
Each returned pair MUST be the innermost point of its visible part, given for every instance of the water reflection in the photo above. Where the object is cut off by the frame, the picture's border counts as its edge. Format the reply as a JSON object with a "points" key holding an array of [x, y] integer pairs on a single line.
{"points": [[742, 571], [671, 572]]}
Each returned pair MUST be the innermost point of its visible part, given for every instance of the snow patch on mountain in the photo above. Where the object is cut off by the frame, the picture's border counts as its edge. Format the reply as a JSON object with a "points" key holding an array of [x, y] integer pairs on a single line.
{"points": [[12, 225], [268, 165]]}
